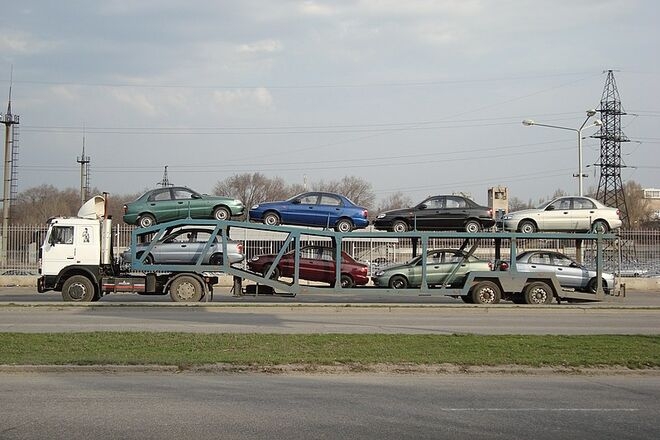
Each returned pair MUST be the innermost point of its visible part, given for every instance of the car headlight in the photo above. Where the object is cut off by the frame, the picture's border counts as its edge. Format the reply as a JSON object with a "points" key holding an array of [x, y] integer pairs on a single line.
{"points": [[254, 207], [254, 259], [507, 217], [380, 273], [238, 202], [381, 216]]}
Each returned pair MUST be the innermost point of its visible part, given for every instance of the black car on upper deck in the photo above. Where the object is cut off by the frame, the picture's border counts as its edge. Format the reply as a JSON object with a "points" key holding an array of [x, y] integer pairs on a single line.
{"points": [[437, 213]]}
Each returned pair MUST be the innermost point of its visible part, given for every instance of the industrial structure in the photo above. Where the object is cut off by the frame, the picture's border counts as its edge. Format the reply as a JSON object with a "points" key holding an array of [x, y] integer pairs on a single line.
{"points": [[610, 187]]}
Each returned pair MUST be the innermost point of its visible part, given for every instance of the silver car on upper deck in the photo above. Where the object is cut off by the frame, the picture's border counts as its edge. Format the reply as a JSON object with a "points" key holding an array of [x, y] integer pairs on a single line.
{"points": [[564, 214]]}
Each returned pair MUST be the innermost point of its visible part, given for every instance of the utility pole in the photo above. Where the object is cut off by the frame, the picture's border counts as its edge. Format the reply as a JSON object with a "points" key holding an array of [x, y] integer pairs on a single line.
{"points": [[11, 153], [84, 173], [610, 186]]}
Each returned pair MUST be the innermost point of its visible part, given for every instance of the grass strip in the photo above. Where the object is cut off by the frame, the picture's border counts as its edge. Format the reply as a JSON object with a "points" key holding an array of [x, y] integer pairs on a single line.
{"points": [[189, 349]]}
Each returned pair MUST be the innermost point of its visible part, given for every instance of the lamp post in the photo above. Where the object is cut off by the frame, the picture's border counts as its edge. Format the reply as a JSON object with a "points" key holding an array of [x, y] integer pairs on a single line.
{"points": [[596, 123]]}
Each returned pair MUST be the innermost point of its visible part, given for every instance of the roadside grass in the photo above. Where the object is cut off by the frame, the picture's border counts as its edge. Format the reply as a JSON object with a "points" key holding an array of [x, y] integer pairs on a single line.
{"points": [[189, 349]]}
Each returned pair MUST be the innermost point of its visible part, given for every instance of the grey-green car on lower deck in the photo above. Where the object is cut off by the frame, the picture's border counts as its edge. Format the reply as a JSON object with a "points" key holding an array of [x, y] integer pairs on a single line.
{"points": [[439, 264]]}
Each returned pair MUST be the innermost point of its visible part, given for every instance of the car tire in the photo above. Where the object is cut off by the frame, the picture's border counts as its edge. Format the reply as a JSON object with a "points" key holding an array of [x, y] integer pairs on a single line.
{"points": [[215, 260], [592, 285], [485, 292], [527, 227], [398, 282], [146, 220], [399, 226], [538, 292], [221, 213], [346, 281], [344, 225], [271, 219], [276, 272], [149, 259], [600, 226], [473, 226]]}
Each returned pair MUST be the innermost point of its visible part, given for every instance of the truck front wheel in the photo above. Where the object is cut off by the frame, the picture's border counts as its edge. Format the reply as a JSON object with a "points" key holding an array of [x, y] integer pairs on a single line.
{"points": [[78, 288], [186, 289]]}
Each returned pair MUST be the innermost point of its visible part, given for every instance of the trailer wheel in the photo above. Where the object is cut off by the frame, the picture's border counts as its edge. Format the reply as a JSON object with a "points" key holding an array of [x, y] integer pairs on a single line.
{"points": [[538, 292], [186, 289], [485, 292], [78, 288]]}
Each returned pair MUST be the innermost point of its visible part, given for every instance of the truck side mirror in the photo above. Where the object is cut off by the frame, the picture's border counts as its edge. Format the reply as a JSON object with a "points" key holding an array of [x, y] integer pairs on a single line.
{"points": [[52, 240]]}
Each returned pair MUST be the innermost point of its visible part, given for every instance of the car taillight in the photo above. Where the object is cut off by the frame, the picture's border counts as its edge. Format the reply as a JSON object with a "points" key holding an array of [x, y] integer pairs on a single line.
{"points": [[363, 270], [125, 208], [490, 213], [618, 214], [365, 213], [240, 248], [504, 265]]}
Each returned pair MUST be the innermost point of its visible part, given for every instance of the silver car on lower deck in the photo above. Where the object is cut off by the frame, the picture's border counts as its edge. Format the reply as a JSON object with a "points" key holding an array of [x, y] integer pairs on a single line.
{"points": [[569, 272], [185, 246]]}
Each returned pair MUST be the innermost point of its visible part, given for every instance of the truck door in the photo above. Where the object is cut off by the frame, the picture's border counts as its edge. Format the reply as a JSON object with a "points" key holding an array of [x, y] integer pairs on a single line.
{"points": [[59, 250]]}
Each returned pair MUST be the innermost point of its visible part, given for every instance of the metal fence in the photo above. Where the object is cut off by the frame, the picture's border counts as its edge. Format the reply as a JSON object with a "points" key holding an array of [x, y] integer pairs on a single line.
{"points": [[635, 253]]}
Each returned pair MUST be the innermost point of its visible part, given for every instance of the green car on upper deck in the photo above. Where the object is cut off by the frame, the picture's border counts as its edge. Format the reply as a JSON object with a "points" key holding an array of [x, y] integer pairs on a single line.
{"points": [[178, 202]]}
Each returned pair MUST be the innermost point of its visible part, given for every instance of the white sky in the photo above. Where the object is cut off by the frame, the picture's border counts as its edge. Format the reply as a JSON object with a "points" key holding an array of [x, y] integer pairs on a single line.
{"points": [[425, 97]]}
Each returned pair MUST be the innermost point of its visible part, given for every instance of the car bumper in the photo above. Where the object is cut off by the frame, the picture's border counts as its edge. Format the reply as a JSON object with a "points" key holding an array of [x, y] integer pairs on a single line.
{"points": [[510, 225]]}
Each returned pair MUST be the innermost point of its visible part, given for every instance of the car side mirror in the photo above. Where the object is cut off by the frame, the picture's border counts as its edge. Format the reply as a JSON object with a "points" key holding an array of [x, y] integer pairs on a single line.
{"points": [[550, 208], [422, 206], [195, 196], [574, 264], [296, 202]]}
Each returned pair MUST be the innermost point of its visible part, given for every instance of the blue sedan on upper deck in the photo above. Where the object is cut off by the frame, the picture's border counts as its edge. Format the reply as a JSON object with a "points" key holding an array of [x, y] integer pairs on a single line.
{"points": [[320, 209]]}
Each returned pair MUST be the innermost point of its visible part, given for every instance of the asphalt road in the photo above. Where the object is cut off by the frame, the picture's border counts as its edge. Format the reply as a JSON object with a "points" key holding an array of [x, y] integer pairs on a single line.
{"points": [[256, 406], [332, 313]]}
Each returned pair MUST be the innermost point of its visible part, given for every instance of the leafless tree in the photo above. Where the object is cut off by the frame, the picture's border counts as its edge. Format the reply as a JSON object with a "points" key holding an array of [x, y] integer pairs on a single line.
{"points": [[252, 188], [355, 188], [639, 209], [394, 201]]}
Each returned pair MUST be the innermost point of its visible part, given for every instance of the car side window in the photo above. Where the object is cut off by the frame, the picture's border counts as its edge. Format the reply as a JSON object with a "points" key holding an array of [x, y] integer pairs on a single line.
{"points": [[159, 196], [583, 204], [330, 200], [309, 200], [456, 258], [180, 194], [540, 258], [309, 253], [561, 261], [436, 203], [327, 255], [435, 258], [455, 202]]}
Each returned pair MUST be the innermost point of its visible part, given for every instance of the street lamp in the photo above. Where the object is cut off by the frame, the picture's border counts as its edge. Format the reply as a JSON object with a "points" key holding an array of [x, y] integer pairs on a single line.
{"points": [[596, 123]]}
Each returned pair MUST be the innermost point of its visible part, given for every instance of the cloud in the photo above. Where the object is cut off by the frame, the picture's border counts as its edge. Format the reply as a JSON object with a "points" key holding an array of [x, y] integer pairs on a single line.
{"points": [[21, 44], [260, 97], [315, 8], [138, 101], [268, 46]]}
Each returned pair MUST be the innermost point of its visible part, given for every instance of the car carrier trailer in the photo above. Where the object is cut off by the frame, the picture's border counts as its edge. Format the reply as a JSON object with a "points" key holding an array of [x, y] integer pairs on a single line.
{"points": [[77, 259]]}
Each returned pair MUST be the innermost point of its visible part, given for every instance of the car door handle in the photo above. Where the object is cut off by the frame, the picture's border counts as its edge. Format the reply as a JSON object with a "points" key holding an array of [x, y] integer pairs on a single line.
{"points": [[180, 203], [533, 267], [559, 268], [591, 212], [565, 212], [183, 245], [311, 207]]}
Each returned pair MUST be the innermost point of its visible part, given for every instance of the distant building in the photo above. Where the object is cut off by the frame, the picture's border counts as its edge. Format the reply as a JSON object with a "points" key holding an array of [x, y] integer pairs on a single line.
{"points": [[498, 200], [653, 197]]}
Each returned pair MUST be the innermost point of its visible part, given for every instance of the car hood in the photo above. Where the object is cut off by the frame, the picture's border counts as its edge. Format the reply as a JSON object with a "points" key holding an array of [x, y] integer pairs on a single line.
{"points": [[395, 212], [524, 212]]}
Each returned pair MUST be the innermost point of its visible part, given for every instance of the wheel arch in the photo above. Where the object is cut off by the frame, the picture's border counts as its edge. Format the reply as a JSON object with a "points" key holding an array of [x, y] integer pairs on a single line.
{"points": [[527, 219], [89, 272]]}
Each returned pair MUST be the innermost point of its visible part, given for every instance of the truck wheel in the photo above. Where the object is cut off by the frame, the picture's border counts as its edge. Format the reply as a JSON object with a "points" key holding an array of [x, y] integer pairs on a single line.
{"points": [[186, 289], [538, 292], [486, 292], [78, 288]]}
